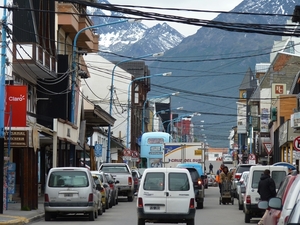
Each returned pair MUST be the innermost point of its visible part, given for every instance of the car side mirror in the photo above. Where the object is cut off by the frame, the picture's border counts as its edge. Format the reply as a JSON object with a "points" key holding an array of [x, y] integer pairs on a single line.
{"points": [[117, 181], [105, 185], [263, 204], [275, 203]]}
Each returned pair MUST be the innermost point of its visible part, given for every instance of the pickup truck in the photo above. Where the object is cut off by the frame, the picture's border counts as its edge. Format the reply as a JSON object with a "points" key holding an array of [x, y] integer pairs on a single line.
{"points": [[122, 173]]}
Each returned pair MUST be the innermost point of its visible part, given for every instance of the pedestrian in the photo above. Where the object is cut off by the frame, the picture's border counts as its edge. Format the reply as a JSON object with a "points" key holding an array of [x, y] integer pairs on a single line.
{"points": [[266, 190], [225, 176], [219, 171], [211, 167]]}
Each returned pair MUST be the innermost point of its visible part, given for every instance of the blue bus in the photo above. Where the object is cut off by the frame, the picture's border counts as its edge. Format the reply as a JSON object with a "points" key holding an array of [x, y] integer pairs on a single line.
{"points": [[152, 149]]}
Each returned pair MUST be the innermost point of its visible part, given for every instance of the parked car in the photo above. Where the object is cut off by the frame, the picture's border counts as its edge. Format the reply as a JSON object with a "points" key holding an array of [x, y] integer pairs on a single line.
{"points": [[161, 192], [273, 215], [241, 189], [292, 197], [108, 190], [113, 186], [136, 179], [71, 190], [211, 180], [294, 217], [251, 210], [101, 194], [238, 173], [122, 173]]}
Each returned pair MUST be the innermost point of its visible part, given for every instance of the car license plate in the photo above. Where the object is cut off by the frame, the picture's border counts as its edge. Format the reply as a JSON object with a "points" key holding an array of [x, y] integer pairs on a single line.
{"points": [[154, 207], [68, 195]]}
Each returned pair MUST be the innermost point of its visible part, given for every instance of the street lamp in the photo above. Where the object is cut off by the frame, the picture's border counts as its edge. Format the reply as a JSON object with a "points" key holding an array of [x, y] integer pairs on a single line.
{"points": [[128, 100], [73, 84], [72, 116], [112, 94], [166, 110], [144, 106]]}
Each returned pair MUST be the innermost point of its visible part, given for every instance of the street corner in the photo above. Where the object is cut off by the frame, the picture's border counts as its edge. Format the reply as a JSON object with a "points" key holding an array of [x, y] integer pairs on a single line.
{"points": [[13, 220]]}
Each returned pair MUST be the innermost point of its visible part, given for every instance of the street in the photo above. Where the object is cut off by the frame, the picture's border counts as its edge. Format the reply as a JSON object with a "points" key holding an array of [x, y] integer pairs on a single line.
{"points": [[125, 213]]}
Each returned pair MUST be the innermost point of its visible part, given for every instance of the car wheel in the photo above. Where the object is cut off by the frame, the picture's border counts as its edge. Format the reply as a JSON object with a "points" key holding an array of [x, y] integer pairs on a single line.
{"points": [[141, 221], [47, 216], [91, 216], [247, 218], [100, 209], [96, 214], [190, 222], [130, 198], [103, 208]]}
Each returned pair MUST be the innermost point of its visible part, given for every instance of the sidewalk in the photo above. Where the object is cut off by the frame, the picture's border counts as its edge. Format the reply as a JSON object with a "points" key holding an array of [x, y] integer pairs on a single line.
{"points": [[15, 216]]}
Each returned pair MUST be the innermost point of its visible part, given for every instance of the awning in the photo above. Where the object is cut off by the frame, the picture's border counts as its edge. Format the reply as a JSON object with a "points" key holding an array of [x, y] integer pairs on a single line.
{"points": [[97, 117]]}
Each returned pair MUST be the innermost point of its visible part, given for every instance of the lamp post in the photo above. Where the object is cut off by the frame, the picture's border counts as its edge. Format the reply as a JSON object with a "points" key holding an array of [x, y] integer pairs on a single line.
{"points": [[73, 84], [166, 110], [128, 100], [144, 106], [112, 94]]}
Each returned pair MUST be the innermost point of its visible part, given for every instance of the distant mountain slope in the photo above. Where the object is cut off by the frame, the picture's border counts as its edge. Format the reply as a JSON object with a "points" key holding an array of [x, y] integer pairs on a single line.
{"points": [[203, 70], [132, 39]]}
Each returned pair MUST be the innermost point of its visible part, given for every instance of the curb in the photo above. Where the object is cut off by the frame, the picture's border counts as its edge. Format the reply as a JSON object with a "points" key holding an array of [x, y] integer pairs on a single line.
{"points": [[35, 218]]}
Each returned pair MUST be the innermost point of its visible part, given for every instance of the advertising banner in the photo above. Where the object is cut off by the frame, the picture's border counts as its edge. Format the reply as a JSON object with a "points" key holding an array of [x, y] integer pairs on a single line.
{"points": [[16, 103]]}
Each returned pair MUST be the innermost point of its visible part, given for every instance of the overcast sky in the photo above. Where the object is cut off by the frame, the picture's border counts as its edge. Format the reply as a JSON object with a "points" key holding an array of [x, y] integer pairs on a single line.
{"points": [[186, 30]]}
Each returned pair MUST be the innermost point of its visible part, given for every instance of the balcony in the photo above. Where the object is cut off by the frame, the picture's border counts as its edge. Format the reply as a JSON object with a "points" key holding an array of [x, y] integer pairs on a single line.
{"points": [[31, 61], [71, 19]]}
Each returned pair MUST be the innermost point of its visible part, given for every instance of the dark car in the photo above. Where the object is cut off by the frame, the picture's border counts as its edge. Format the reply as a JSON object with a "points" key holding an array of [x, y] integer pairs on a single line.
{"points": [[112, 184], [136, 179]]}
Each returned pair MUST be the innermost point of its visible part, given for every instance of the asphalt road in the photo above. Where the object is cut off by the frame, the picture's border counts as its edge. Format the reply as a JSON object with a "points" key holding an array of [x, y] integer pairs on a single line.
{"points": [[125, 213]]}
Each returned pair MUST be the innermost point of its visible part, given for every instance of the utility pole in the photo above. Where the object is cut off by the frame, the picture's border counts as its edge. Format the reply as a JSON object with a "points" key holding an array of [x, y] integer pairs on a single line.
{"points": [[2, 100]]}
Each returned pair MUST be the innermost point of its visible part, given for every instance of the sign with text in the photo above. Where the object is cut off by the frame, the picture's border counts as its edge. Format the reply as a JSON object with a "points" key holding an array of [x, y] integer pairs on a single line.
{"points": [[16, 138], [16, 106]]}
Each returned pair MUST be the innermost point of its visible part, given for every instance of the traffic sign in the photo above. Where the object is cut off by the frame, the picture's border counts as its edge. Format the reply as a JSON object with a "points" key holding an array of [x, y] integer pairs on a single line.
{"points": [[268, 148], [296, 143], [252, 159], [98, 150]]}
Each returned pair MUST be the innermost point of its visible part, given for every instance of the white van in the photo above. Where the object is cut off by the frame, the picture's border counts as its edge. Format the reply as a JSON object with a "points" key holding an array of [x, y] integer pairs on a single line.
{"points": [[166, 195], [71, 190], [251, 199]]}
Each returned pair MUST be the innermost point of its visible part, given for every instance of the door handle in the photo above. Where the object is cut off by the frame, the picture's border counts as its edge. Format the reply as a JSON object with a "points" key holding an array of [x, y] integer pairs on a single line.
{"points": [[167, 193]]}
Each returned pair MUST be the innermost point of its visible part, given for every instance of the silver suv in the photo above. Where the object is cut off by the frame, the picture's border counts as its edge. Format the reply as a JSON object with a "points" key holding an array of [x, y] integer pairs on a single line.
{"points": [[238, 173]]}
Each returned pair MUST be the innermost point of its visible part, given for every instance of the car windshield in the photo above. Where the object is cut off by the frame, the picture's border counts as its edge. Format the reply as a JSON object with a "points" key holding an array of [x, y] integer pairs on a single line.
{"points": [[115, 169], [68, 179]]}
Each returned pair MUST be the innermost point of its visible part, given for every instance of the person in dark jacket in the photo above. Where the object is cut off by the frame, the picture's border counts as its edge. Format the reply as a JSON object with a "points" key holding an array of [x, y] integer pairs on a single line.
{"points": [[266, 190], [266, 186]]}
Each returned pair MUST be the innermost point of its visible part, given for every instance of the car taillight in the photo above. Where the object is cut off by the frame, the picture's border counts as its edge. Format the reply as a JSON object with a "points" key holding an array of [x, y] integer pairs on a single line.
{"points": [[140, 203], [237, 176], [248, 199], [192, 203], [46, 198], [91, 196], [199, 182], [129, 180], [111, 186]]}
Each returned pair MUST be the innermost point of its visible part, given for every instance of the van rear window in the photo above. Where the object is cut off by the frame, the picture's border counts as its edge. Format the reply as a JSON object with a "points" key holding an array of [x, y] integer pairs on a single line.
{"points": [[154, 181], [68, 179], [178, 182], [278, 177], [115, 169]]}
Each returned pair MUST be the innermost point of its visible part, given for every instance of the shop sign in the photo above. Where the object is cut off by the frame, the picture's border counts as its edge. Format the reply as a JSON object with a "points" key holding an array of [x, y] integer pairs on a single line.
{"points": [[15, 106], [18, 138]]}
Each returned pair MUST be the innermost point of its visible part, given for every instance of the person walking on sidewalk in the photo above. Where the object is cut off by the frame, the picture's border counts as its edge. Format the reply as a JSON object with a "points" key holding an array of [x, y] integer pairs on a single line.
{"points": [[211, 167], [266, 190]]}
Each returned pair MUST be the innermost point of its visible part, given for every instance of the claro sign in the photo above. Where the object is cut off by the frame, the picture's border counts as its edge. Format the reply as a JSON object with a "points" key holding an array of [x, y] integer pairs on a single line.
{"points": [[16, 106]]}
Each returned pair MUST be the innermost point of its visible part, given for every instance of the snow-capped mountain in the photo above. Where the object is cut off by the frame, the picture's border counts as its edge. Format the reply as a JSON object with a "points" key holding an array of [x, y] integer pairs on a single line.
{"points": [[132, 39]]}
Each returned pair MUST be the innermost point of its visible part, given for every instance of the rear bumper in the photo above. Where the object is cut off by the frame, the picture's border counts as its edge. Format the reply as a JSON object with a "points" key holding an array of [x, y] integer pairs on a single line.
{"points": [[254, 211], [165, 218], [69, 208]]}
